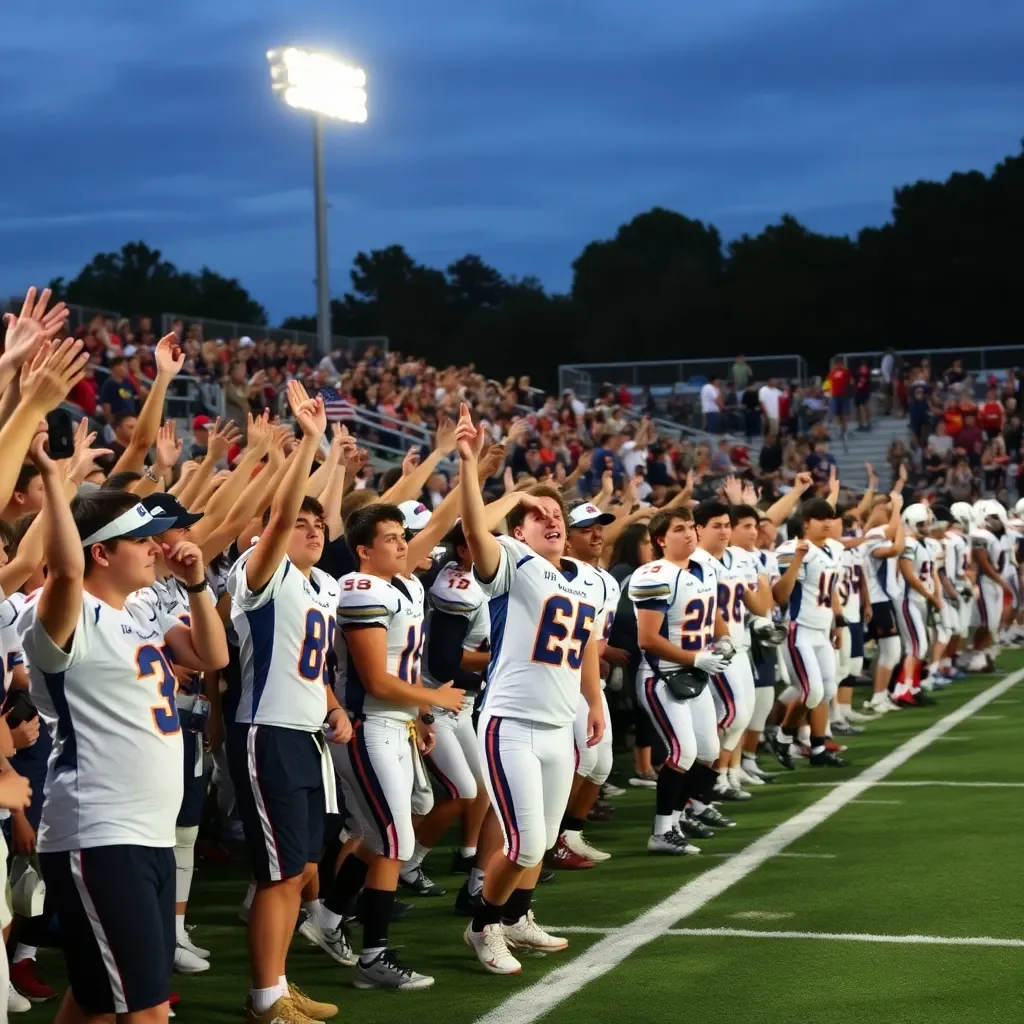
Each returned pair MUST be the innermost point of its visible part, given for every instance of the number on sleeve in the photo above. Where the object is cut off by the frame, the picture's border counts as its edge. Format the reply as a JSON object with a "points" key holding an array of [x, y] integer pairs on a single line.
{"points": [[154, 669], [559, 642], [352, 584]]}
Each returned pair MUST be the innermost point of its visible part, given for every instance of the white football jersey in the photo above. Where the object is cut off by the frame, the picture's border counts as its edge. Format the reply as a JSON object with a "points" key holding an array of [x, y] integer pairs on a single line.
{"points": [[10, 641], [165, 604], [397, 607], [849, 586], [688, 597], [885, 583], [284, 634], [957, 556], [736, 572], [986, 540], [810, 604], [917, 553], [769, 565], [1008, 554], [542, 618], [455, 591], [114, 776], [606, 615]]}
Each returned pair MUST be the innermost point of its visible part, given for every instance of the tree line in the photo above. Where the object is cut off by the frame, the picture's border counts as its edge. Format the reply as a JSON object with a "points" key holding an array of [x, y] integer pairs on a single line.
{"points": [[943, 272]]}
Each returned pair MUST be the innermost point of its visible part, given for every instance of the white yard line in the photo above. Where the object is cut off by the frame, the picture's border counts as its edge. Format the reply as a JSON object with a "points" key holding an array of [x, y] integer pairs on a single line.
{"points": [[954, 739], [540, 998], [924, 782], [878, 803], [761, 933], [989, 718]]}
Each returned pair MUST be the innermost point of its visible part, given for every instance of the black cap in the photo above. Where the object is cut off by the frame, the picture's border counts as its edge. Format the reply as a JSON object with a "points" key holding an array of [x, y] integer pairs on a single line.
{"points": [[817, 508], [941, 514], [167, 506]]}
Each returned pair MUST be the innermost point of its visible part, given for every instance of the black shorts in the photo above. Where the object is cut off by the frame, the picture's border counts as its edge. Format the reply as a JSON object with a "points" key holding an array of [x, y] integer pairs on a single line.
{"points": [[280, 793], [764, 670], [857, 638], [115, 908], [883, 621], [31, 764], [194, 795]]}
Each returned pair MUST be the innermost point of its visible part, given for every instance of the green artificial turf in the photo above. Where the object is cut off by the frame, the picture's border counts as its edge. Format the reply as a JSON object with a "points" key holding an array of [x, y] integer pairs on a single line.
{"points": [[941, 861]]}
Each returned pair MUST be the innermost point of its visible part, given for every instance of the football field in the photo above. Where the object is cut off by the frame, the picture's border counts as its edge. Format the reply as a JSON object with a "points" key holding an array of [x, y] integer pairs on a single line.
{"points": [[887, 891]]}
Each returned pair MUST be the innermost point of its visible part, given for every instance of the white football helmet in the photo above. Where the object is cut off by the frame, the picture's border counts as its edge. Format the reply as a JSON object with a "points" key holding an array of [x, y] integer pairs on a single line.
{"points": [[916, 517], [963, 514], [1019, 509], [989, 508]]}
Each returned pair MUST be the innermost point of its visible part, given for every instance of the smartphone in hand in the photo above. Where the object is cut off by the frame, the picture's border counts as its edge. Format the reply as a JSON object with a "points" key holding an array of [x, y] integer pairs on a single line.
{"points": [[60, 434]]}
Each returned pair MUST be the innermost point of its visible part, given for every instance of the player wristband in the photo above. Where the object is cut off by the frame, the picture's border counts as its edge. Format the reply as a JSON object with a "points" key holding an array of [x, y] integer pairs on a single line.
{"points": [[195, 588], [427, 719], [841, 621]]}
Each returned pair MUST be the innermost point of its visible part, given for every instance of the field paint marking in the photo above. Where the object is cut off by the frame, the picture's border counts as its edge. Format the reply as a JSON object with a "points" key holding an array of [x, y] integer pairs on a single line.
{"points": [[954, 739], [878, 803], [605, 955], [926, 782], [759, 933], [989, 718], [761, 915], [805, 856], [1013, 701]]}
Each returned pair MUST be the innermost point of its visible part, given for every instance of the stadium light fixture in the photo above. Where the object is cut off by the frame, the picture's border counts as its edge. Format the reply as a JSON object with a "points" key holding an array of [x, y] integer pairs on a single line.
{"points": [[329, 89]]}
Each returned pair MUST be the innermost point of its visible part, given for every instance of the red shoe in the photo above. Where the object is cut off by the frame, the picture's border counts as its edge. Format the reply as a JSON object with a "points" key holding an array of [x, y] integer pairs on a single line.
{"points": [[562, 857], [173, 1000], [907, 701], [836, 748], [25, 979]]}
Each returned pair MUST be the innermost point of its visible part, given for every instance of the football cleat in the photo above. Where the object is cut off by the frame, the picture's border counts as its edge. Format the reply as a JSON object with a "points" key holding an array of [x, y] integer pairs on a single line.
{"points": [[780, 748], [846, 729], [754, 769], [567, 859], [527, 934], [547, 876], [648, 780], [714, 818], [16, 1002], [25, 978], [420, 884], [694, 829], [739, 777], [466, 904], [828, 759], [188, 963], [836, 748], [334, 943], [385, 970], [609, 792], [187, 943], [579, 846], [491, 949], [462, 865], [672, 842], [601, 811], [312, 1008], [857, 718]]}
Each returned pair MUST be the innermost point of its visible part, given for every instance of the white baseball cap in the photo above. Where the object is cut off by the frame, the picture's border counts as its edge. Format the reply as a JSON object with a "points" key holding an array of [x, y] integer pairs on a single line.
{"points": [[246, 342], [588, 514], [415, 515]]}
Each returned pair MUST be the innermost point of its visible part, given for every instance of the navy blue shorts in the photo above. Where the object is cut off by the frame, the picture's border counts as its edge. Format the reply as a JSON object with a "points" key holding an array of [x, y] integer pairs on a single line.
{"points": [[856, 639], [764, 670], [280, 793], [31, 763], [115, 907], [194, 796], [883, 621]]}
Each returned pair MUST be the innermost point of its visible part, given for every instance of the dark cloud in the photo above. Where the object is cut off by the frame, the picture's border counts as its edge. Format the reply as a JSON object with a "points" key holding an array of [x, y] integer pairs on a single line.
{"points": [[519, 131]]}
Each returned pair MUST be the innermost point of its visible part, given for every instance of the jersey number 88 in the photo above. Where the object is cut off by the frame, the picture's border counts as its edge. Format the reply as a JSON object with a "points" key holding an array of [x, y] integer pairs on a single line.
{"points": [[319, 639]]}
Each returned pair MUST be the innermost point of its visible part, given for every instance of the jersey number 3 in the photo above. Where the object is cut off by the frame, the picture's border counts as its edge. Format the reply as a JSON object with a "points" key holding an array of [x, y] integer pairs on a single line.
{"points": [[563, 632], [154, 668]]}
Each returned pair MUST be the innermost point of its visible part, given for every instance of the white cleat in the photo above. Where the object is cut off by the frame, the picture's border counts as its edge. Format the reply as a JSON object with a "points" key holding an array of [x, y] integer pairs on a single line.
{"points": [[610, 792], [978, 663], [335, 944], [857, 718], [740, 777], [672, 842], [527, 934], [188, 963], [187, 943], [16, 1002], [491, 949], [579, 846], [728, 791]]}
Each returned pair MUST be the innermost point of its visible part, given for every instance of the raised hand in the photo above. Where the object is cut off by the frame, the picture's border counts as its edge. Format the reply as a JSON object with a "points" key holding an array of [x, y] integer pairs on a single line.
{"points": [[259, 432], [309, 412], [751, 496], [446, 440], [222, 438], [733, 490], [32, 326], [411, 461], [508, 480], [168, 445], [491, 462], [169, 356], [833, 483], [39, 455], [586, 460], [802, 482], [184, 560], [84, 460], [607, 483], [518, 429], [465, 434], [52, 372]]}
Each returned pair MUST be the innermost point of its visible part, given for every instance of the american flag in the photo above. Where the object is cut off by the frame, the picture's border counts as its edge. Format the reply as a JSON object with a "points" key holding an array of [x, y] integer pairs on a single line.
{"points": [[336, 407]]}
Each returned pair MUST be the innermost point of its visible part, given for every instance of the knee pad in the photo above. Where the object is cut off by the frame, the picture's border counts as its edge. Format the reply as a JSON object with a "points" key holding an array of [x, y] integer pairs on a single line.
{"points": [[889, 651], [184, 861], [422, 804], [586, 761], [790, 694], [602, 765], [732, 735], [943, 636], [532, 847], [763, 701], [856, 666]]}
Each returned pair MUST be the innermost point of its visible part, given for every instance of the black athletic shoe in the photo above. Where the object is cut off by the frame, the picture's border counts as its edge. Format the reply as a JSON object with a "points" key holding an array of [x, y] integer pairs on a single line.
{"points": [[924, 700], [461, 865], [694, 829], [420, 884], [714, 818], [781, 751], [465, 904], [826, 759], [546, 876]]}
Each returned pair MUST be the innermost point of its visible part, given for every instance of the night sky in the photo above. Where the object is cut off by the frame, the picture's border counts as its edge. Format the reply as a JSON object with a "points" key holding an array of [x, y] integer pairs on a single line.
{"points": [[516, 129]]}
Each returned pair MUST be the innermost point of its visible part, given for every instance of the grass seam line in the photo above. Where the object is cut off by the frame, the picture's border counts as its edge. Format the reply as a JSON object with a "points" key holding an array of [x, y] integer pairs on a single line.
{"points": [[533, 1002]]}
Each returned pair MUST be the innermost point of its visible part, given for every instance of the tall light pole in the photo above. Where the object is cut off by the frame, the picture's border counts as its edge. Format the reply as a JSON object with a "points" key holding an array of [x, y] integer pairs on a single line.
{"points": [[329, 89]]}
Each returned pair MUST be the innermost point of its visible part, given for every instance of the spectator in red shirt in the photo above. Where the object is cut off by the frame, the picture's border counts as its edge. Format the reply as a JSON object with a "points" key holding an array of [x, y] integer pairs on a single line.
{"points": [[86, 392], [862, 395], [969, 439], [991, 415], [841, 384]]}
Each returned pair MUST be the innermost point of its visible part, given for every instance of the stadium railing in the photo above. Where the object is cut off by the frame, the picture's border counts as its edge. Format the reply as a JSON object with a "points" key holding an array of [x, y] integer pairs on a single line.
{"points": [[224, 329], [988, 359]]}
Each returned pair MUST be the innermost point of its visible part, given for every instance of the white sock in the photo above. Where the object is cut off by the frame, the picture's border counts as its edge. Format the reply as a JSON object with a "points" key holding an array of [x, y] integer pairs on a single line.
{"points": [[282, 984], [571, 833], [467, 851], [723, 778], [749, 761], [662, 824], [368, 954], [676, 815], [23, 952], [264, 998], [247, 902], [312, 910], [476, 881], [179, 927], [329, 920], [696, 807], [837, 712], [418, 854]]}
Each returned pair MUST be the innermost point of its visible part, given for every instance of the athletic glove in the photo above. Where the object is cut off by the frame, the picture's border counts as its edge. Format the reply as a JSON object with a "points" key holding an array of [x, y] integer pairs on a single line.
{"points": [[711, 662]]}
